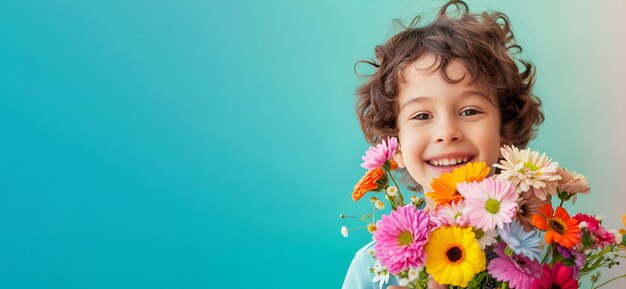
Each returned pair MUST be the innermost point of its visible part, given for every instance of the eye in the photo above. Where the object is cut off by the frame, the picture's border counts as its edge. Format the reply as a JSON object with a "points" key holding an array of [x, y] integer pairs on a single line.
{"points": [[469, 112], [422, 116]]}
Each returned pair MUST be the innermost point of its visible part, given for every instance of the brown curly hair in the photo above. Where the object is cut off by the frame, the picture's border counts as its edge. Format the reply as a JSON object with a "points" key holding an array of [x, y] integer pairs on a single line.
{"points": [[483, 42]]}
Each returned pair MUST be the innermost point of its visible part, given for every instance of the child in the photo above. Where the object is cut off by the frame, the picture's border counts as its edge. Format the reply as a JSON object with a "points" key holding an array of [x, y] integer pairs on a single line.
{"points": [[452, 93]]}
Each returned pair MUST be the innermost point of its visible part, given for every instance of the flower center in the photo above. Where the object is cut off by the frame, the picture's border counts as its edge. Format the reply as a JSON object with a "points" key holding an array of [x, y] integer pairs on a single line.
{"points": [[454, 254], [492, 206], [557, 225], [405, 238], [524, 209], [528, 166], [479, 233], [508, 251], [555, 286]]}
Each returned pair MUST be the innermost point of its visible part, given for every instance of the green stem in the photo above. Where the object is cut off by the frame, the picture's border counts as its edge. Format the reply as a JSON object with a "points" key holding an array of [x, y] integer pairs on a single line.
{"points": [[397, 187], [373, 217], [505, 285], [611, 280], [594, 261], [561, 204], [548, 251]]}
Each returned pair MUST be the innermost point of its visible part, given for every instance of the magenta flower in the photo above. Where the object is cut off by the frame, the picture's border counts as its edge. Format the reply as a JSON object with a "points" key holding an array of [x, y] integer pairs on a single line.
{"points": [[490, 203], [558, 276], [518, 270], [400, 238], [600, 236], [376, 156]]}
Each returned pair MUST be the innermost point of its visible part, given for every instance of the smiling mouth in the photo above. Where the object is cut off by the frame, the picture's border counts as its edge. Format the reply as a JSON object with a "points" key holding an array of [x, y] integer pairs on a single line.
{"points": [[450, 162]]}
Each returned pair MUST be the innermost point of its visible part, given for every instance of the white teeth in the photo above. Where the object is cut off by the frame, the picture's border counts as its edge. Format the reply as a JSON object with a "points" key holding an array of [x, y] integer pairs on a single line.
{"points": [[448, 162]]}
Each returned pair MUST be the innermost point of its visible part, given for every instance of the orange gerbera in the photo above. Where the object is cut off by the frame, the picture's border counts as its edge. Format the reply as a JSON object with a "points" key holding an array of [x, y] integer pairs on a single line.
{"points": [[559, 227], [623, 231], [444, 187], [367, 183]]}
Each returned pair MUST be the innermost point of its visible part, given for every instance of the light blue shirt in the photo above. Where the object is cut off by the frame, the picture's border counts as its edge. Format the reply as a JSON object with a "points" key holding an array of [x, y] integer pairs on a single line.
{"points": [[359, 275]]}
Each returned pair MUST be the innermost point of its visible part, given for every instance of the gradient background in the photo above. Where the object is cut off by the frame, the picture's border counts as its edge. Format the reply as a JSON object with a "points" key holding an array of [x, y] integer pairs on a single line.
{"points": [[213, 144]]}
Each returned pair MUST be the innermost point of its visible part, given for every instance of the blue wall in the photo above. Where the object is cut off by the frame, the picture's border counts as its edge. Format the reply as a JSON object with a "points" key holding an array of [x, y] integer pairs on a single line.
{"points": [[196, 144]]}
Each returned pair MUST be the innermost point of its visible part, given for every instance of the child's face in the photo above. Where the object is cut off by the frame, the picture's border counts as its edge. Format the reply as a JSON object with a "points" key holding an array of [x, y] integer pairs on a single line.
{"points": [[439, 121]]}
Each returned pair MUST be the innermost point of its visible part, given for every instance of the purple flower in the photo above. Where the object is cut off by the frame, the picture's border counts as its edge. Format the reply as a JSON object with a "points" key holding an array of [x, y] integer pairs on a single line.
{"points": [[518, 270], [577, 257]]}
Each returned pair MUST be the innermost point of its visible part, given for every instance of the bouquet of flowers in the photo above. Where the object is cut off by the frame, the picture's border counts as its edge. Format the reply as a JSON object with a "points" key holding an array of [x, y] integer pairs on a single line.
{"points": [[487, 232]]}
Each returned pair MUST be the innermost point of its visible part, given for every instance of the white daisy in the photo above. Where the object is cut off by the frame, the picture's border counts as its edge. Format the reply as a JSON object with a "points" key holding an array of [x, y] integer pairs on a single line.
{"points": [[486, 238], [381, 274], [392, 191], [379, 205], [413, 274], [526, 168]]}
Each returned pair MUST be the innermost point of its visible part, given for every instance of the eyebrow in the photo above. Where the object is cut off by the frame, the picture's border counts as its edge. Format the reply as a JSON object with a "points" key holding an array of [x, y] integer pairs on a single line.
{"points": [[463, 94]]}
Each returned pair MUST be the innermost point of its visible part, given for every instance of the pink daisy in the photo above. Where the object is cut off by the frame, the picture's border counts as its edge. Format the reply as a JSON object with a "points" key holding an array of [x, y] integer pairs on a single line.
{"points": [[599, 235], [558, 276], [572, 183], [376, 156], [450, 215], [490, 203], [518, 270], [400, 238]]}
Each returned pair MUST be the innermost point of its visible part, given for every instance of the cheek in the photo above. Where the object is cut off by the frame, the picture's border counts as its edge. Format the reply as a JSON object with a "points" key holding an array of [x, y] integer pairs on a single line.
{"points": [[489, 145], [412, 146]]}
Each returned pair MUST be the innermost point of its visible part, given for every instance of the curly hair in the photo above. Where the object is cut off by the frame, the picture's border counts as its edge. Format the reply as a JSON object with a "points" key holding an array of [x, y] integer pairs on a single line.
{"points": [[483, 43]]}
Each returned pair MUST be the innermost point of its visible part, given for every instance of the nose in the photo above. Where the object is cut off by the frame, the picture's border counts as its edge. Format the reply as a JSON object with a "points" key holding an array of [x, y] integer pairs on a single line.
{"points": [[447, 131]]}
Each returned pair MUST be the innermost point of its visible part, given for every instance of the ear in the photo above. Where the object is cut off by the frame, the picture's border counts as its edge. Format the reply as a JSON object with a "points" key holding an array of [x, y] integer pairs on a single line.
{"points": [[398, 157]]}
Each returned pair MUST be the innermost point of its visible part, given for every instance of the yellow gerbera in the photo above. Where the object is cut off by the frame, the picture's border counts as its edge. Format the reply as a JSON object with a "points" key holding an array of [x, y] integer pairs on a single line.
{"points": [[453, 256], [444, 187]]}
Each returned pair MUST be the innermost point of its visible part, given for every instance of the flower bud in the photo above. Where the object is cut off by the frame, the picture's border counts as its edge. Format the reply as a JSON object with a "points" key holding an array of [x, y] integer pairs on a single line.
{"points": [[618, 236], [344, 231]]}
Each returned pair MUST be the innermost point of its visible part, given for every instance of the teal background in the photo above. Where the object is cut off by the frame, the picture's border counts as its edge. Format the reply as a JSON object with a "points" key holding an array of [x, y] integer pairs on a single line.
{"points": [[208, 144]]}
